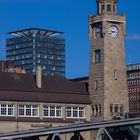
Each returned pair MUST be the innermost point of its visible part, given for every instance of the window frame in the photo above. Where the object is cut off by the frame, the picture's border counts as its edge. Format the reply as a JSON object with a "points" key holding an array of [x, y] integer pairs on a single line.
{"points": [[7, 108], [97, 55], [28, 110], [75, 112], [115, 74], [102, 8], [108, 8], [52, 109]]}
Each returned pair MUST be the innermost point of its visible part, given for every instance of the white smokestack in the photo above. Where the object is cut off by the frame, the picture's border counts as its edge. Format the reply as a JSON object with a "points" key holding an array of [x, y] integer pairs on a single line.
{"points": [[38, 76]]}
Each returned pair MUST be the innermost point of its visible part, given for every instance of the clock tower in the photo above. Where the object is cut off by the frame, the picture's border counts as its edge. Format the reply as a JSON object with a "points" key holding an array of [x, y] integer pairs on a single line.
{"points": [[107, 78]]}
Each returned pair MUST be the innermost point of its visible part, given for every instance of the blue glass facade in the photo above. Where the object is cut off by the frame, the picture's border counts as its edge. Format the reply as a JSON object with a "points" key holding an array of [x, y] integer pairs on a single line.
{"points": [[32, 50]]}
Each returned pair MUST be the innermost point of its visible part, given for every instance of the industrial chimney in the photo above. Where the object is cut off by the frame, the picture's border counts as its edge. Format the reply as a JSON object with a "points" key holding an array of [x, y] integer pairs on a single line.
{"points": [[38, 76]]}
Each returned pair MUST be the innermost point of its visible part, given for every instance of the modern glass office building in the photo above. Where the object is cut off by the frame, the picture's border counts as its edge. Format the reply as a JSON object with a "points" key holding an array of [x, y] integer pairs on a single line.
{"points": [[33, 47]]}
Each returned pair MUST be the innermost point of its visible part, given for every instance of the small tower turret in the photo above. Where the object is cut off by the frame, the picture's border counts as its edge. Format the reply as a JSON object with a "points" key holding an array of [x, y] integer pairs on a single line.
{"points": [[106, 7]]}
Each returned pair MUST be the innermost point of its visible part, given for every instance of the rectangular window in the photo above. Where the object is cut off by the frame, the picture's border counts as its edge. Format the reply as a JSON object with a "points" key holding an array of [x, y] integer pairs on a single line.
{"points": [[75, 112], [115, 74], [6, 110], [108, 8], [46, 110], [111, 108], [102, 9], [52, 111], [97, 56], [99, 110], [114, 8], [28, 110], [116, 109], [96, 85], [69, 112], [122, 108], [3, 110], [81, 112]]}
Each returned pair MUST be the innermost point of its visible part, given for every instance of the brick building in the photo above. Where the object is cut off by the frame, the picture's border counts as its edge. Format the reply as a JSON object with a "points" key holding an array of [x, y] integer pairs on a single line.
{"points": [[133, 76], [8, 66]]}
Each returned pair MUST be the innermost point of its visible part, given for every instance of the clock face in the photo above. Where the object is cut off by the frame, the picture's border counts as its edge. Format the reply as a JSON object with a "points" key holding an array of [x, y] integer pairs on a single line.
{"points": [[97, 32], [113, 31]]}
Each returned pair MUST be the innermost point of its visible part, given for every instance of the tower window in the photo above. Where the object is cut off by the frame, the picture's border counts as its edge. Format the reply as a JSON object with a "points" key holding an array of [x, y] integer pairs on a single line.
{"points": [[116, 109], [97, 56], [99, 109], [111, 108], [93, 110], [121, 109], [115, 74], [96, 109], [108, 8], [96, 85], [102, 9], [114, 8]]}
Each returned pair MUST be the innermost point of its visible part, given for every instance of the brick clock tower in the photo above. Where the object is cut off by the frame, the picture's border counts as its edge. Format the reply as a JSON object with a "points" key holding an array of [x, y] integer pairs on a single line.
{"points": [[107, 78]]}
